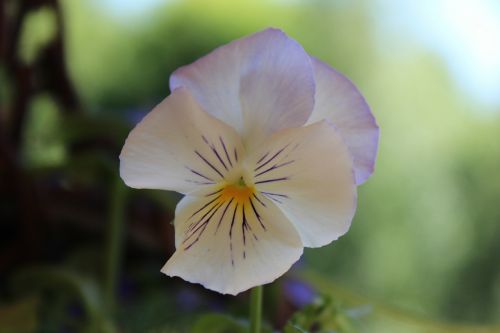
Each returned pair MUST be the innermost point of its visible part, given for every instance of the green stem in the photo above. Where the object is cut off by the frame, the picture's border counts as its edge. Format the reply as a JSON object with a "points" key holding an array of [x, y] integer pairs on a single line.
{"points": [[256, 309], [114, 242]]}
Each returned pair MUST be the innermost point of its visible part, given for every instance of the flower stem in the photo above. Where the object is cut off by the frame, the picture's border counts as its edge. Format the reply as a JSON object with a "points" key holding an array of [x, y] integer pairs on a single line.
{"points": [[114, 242], [256, 309]]}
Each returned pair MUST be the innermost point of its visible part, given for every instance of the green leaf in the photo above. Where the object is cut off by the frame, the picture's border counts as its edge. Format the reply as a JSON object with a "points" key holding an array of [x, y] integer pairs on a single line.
{"points": [[218, 323], [291, 328], [324, 315], [66, 282]]}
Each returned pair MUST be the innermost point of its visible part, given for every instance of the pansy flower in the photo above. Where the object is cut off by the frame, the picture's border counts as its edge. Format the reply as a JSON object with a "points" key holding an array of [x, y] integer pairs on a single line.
{"points": [[268, 145]]}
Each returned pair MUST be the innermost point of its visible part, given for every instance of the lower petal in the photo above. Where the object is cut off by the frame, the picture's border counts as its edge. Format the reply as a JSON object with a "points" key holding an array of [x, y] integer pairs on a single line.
{"points": [[229, 246]]}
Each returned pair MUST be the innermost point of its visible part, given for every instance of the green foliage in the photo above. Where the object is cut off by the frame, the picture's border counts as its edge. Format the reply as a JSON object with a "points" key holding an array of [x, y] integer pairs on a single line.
{"points": [[43, 144], [325, 315], [220, 323], [60, 287], [38, 29], [374, 315]]}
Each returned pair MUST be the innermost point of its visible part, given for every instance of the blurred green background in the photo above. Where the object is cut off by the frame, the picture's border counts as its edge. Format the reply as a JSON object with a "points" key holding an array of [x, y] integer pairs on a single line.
{"points": [[79, 252]]}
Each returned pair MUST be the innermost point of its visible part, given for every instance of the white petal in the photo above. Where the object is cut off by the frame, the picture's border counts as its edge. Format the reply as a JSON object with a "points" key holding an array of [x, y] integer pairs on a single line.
{"points": [[229, 253], [341, 103], [258, 84], [307, 172], [178, 147]]}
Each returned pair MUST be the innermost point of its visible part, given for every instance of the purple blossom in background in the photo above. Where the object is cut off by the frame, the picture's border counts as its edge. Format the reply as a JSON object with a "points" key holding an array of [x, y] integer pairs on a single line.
{"points": [[299, 293], [188, 299]]}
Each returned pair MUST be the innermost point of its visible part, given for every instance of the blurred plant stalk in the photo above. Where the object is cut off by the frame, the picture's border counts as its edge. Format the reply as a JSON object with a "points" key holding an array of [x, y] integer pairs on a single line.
{"points": [[114, 242], [256, 309]]}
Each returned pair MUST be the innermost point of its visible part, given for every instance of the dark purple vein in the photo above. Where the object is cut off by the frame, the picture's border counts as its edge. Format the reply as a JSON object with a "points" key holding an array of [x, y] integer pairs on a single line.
{"points": [[218, 156], [202, 228], [260, 201], [193, 224], [231, 234], [225, 151], [204, 206], [275, 194], [208, 163], [243, 225], [199, 174], [223, 214], [262, 158], [257, 215], [272, 180], [274, 167], [212, 193], [271, 158]]}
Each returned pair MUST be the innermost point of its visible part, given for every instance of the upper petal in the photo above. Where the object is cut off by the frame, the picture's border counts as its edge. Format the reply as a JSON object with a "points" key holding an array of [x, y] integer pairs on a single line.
{"points": [[178, 147], [340, 102], [258, 84], [307, 172], [229, 246]]}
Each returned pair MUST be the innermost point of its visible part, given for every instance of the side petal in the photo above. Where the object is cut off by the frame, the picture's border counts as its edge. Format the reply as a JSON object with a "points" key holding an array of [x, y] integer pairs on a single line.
{"points": [[229, 246], [258, 84], [341, 103], [307, 172], [178, 147]]}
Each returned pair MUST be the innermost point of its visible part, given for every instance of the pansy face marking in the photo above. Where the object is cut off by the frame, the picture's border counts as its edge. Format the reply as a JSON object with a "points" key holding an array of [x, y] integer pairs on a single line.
{"points": [[267, 144], [235, 193]]}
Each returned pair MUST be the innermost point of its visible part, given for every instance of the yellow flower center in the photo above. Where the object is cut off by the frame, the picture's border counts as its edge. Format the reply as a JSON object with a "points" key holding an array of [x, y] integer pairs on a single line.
{"points": [[239, 192]]}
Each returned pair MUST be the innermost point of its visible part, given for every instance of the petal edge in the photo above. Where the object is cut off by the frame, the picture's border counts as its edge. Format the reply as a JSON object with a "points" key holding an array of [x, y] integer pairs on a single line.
{"points": [[340, 102]]}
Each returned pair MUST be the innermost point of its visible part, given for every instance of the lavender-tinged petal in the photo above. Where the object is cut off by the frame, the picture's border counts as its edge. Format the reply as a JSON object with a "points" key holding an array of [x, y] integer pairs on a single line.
{"points": [[258, 84], [340, 102]]}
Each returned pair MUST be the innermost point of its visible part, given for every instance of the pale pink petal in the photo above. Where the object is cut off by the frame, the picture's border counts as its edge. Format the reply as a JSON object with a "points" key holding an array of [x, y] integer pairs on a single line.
{"points": [[258, 84], [340, 102], [179, 147]]}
